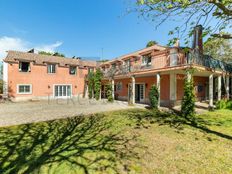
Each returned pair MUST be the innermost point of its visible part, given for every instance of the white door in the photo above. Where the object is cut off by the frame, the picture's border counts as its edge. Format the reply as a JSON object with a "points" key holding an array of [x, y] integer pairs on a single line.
{"points": [[62, 91]]}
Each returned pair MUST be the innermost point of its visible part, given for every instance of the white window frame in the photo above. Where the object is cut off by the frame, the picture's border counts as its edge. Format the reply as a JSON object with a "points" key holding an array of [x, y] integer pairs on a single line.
{"points": [[128, 65], [144, 91], [24, 85], [64, 97], [119, 84], [51, 68], [144, 60]]}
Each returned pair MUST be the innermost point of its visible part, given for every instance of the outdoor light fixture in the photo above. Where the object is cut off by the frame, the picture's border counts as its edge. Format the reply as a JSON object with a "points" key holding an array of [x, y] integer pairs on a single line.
{"points": [[49, 86], [75, 86]]}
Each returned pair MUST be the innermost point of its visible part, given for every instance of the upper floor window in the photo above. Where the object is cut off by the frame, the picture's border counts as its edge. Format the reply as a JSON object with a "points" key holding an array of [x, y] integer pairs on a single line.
{"points": [[72, 70], [146, 60], [90, 70], [24, 66], [113, 66], [51, 68], [128, 65]]}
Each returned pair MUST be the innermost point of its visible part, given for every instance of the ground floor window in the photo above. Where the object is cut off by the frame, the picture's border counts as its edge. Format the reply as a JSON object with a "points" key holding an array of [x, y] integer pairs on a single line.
{"points": [[62, 91], [24, 89]]}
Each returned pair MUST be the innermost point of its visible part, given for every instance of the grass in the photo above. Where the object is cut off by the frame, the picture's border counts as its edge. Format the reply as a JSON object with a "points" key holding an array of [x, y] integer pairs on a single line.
{"points": [[128, 141]]}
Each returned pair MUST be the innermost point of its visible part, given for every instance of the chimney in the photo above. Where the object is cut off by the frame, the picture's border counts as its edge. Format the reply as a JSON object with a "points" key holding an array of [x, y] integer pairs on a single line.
{"points": [[197, 39], [31, 50], [177, 43]]}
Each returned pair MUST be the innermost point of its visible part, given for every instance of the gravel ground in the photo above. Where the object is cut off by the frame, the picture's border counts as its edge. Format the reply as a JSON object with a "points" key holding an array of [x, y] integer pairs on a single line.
{"points": [[35, 111]]}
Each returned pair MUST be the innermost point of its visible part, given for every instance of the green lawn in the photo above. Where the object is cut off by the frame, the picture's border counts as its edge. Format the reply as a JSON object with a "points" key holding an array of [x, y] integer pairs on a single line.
{"points": [[129, 141]]}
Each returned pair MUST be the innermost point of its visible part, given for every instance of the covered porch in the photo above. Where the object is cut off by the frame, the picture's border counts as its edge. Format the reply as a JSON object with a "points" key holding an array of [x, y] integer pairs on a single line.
{"points": [[209, 86]]}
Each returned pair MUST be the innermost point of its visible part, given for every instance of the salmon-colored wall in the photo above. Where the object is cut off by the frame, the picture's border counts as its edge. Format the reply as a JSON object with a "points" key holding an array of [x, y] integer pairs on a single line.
{"points": [[41, 80], [197, 80], [148, 81]]}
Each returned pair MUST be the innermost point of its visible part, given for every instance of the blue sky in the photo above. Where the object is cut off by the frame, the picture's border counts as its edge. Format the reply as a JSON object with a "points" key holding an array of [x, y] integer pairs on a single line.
{"points": [[76, 27]]}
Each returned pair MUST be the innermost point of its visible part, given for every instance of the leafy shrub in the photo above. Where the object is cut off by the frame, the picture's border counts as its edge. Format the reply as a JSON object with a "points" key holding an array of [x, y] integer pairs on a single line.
{"points": [[154, 97], [221, 104], [188, 101], [224, 104], [91, 85], [1, 86], [97, 84], [109, 92]]}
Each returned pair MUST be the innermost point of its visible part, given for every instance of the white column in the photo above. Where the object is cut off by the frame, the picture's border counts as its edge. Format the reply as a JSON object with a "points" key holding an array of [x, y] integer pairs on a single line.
{"points": [[219, 87], [173, 87], [227, 87], [112, 83], [211, 90], [189, 76], [100, 96], [133, 90], [231, 86], [158, 86], [5, 79]]}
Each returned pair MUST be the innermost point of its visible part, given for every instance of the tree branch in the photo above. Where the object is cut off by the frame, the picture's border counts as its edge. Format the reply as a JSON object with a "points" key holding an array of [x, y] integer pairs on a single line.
{"points": [[224, 36]]}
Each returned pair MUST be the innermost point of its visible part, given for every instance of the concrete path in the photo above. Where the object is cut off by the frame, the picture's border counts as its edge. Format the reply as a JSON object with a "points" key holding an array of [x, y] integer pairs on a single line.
{"points": [[35, 111]]}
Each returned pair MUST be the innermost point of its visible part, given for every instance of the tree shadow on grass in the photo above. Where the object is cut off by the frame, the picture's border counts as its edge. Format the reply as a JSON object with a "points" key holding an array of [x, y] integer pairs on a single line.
{"points": [[74, 145], [174, 120]]}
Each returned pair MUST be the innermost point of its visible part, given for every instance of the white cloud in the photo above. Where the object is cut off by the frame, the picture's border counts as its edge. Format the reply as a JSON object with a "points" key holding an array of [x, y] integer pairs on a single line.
{"points": [[49, 47], [18, 44], [10, 43]]}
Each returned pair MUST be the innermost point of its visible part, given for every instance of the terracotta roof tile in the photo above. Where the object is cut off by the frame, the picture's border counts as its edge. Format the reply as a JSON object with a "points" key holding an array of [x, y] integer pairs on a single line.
{"points": [[15, 56]]}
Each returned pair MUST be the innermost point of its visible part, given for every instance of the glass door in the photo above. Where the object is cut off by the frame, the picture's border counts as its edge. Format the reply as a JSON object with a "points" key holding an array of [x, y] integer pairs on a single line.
{"points": [[62, 91]]}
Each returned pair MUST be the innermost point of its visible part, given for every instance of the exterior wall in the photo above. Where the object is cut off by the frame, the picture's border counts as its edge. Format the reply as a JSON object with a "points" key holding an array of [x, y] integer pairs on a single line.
{"points": [[148, 81], [197, 80], [42, 82]]}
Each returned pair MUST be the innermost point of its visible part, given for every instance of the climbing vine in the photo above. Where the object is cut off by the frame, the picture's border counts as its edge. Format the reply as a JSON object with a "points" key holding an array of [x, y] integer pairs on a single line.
{"points": [[97, 84], [91, 85], [94, 84]]}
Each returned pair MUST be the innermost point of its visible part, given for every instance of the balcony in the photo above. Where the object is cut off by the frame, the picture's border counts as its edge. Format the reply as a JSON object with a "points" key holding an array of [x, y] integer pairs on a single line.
{"points": [[168, 62], [209, 62]]}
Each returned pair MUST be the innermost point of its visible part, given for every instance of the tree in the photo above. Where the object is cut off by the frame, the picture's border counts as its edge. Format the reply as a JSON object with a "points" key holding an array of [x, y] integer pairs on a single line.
{"points": [[219, 48], [58, 54], [151, 43], [45, 53], [97, 83], [51, 54], [1, 70], [91, 84], [190, 13], [154, 97], [94, 84], [188, 101]]}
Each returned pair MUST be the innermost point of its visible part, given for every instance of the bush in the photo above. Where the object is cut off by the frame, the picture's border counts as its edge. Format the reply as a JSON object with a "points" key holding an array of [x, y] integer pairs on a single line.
{"points": [[97, 84], [188, 101], [224, 104], [109, 92], [154, 97], [91, 85], [1, 86]]}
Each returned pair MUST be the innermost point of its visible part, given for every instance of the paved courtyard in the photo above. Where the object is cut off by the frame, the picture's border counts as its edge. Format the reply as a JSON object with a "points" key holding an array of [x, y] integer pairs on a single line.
{"points": [[35, 111]]}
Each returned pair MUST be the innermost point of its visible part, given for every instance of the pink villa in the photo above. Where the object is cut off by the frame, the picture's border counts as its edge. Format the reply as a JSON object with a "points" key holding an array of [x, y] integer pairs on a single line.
{"points": [[30, 75], [35, 76]]}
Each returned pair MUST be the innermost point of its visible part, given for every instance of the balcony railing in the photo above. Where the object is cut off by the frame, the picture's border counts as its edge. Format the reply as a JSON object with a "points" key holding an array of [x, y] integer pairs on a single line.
{"points": [[209, 62], [167, 62]]}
